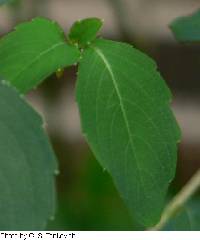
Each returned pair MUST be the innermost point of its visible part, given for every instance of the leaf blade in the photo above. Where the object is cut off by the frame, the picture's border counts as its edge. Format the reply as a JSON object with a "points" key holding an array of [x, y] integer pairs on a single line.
{"points": [[84, 31], [107, 111], [27, 164], [24, 53]]}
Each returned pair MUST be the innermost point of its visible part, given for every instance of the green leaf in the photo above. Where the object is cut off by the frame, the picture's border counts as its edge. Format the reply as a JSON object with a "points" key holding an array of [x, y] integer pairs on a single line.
{"points": [[187, 29], [34, 51], [27, 166], [84, 31], [125, 115], [188, 219]]}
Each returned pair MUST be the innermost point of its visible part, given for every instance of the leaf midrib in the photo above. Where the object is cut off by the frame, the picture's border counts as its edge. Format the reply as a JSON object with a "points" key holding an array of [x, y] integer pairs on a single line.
{"points": [[109, 69], [43, 53]]}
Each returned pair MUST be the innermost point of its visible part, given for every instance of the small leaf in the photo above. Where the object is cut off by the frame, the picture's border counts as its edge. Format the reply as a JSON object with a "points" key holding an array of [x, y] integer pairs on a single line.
{"points": [[34, 51], [187, 29], [188, 219], [84, 31], [125, 115], [27, 166]]}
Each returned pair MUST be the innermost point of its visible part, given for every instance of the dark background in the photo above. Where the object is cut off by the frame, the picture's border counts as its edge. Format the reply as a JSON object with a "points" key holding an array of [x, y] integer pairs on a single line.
{"points": [[87, 198]]}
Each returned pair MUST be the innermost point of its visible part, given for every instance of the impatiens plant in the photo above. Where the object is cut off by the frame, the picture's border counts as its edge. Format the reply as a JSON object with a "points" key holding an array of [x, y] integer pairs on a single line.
{"points": [[124, 107]]}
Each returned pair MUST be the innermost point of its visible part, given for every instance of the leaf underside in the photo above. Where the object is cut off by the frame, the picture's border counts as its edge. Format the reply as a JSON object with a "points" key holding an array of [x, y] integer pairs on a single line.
{"points": [[125, 115], [34, 51], [27, 166], [187, 29]]}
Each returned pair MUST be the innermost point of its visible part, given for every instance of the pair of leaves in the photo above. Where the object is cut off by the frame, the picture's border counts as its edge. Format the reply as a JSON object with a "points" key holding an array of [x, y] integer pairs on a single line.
{"points": [[27, 162], [123, 103]]}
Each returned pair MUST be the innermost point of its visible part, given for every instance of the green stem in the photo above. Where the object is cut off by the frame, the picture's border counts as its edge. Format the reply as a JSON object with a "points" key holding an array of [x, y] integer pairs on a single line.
{"points": [[179, 200]]}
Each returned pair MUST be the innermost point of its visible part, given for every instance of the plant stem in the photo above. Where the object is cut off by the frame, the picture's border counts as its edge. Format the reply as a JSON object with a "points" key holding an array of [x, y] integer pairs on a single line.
{"points": [[179, 200]]}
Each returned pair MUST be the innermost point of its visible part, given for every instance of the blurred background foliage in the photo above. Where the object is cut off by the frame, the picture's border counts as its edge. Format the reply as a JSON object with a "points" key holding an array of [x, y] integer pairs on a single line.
{"points": [[87, 198]]}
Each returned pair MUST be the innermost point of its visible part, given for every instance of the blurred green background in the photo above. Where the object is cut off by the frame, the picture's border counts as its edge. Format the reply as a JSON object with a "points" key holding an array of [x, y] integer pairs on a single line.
{"points": [[87, 198]]}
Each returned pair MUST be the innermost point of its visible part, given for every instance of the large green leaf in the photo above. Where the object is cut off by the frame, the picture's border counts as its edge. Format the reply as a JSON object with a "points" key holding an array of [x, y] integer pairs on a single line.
{"points": [[188, 219], [187, 29], [125, 114], [27, 166], [33, 51]]}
